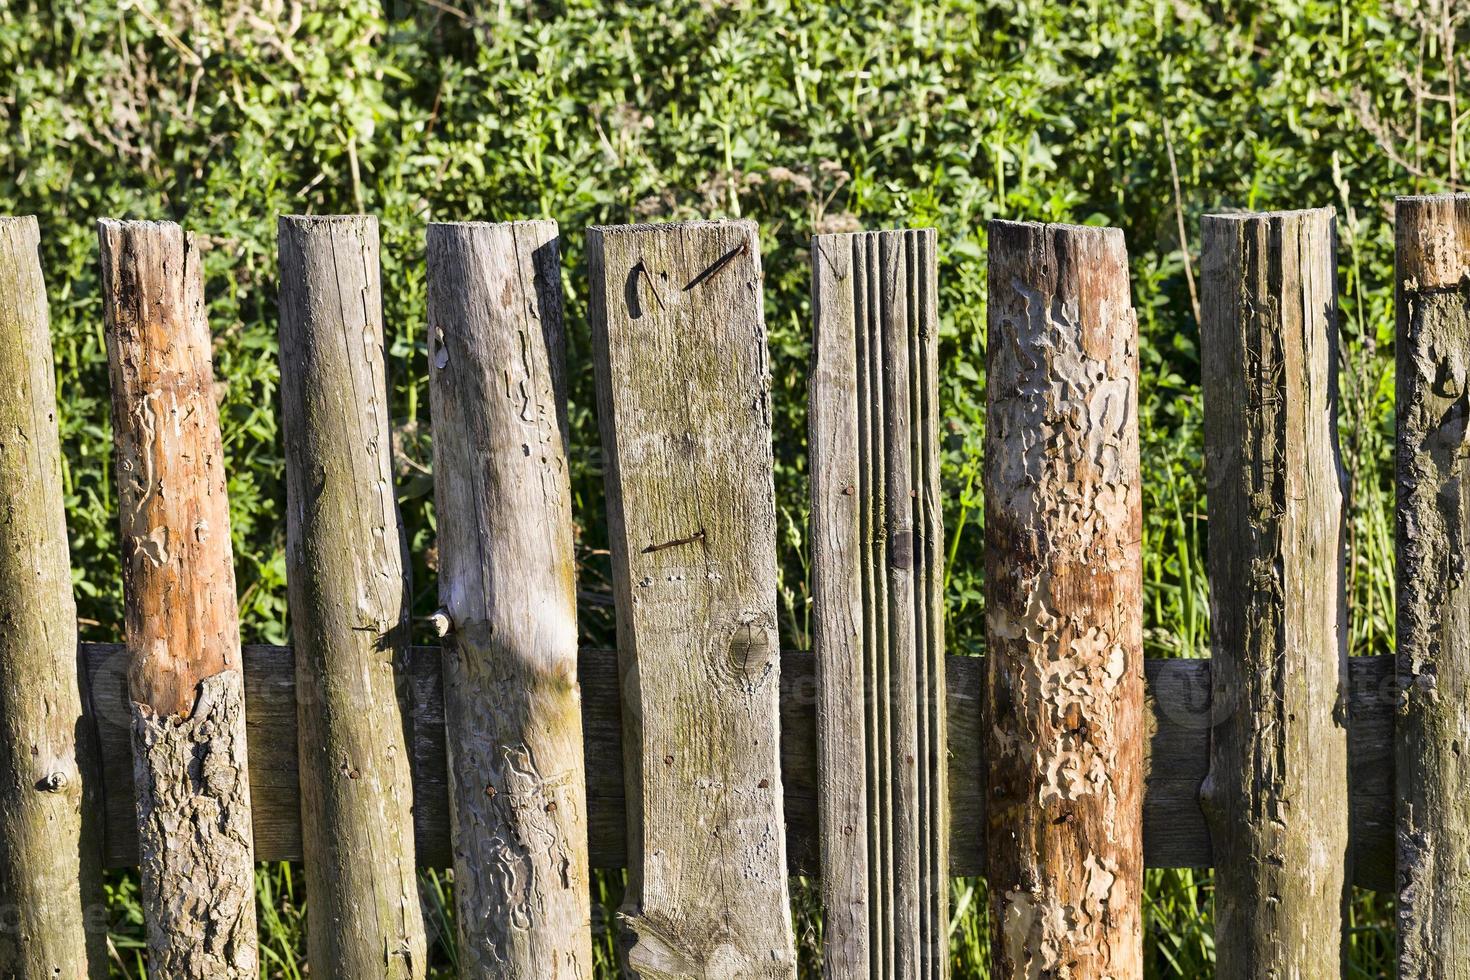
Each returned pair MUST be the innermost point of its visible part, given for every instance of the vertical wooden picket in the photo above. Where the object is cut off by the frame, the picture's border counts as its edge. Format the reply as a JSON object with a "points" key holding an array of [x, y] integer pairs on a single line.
{"points": [[1064, 623], [877, 615], [1433, 380], [349, 592], [1276, 796], [50, 804], [507, 585], [683, 382], [187, 692]]}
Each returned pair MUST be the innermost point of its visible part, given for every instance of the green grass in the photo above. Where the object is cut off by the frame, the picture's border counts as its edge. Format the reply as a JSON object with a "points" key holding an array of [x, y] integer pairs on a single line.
{"points": [[805, 116]]}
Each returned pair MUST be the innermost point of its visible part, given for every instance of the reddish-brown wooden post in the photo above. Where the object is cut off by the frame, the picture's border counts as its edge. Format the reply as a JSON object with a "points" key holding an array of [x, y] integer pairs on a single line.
{"points": [[1063, 518], [184, 679]]}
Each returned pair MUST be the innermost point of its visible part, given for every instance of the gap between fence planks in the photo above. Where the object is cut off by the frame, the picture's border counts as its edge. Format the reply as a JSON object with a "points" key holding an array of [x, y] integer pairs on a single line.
{"points": [[1064, 624], [1433, 381], [507, 584], [683, 394], [50, 843], [347, 575], [877, 619], [1178, 715], [186, 707], [1277, 792]]}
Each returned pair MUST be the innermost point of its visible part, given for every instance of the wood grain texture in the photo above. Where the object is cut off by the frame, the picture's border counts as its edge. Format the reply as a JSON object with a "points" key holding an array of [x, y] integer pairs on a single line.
{"points": [[507, 579], [1179, 715], [1064, 622], [347, 576], [877, 622], [1277, 791], [188, 718], [1433, 359], [51, 858], [683, 387]]}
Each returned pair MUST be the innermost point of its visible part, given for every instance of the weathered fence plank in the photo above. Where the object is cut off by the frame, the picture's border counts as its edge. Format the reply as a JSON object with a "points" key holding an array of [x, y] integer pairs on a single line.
{"points": [[1178, 720], [54, 923], [1064, 625], [508, 589], [349, 593], [186, 688], [1277, 791], [877, 619], [1433, 355], [683, 382]]}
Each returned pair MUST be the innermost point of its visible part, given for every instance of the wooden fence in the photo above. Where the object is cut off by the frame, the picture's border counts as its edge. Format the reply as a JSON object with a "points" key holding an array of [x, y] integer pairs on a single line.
{"points": [[698, 755]]}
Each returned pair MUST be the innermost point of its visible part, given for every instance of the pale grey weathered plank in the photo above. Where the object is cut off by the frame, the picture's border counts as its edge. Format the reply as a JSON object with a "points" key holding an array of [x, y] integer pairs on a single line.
{"points": [[1277, 791], [50, 799], [507, 583], [1064, 614], [683, 383], [1179, 717], [1433, 381], [180, 618], [876, 546], [348, 582]]}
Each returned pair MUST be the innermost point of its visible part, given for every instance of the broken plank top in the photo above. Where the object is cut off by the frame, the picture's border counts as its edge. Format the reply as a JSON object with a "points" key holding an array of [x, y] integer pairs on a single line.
{"points": [[684, 403]]}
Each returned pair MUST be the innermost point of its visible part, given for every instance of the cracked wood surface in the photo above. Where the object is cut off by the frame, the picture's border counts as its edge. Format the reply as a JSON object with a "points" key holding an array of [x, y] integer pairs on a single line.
{"points": [[347, 575], [683, 385], [877, 617], [507, 580], [1277, 792], [1064, 623], [187, 712], [1433, 381], [50, 864]]}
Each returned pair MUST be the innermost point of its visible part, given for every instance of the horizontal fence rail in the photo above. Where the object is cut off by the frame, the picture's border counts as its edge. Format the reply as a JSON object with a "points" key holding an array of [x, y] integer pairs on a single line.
{"points": [[1178, 708]]}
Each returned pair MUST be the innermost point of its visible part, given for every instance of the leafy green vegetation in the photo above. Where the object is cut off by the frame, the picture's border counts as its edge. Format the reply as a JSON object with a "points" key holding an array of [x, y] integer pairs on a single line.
{"points": [[804, 116]]}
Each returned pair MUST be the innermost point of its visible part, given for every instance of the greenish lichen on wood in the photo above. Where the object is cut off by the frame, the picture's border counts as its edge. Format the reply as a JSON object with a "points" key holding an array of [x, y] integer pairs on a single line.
{"points": [[683, 389], [1064, 622], [54, 919], [180, 619], [507, 588], [877, 619], [1276, 796], [349, 591], [1432, 279]]}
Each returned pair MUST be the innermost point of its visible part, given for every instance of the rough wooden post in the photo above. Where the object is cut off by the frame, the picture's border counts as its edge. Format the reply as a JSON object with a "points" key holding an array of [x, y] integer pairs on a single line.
{"points": [[1064, 628], [52, 916], [683, 390], [1276, 797], [184, 680], [1433, 380], [507, 584], [878, 620], [348, 582]]}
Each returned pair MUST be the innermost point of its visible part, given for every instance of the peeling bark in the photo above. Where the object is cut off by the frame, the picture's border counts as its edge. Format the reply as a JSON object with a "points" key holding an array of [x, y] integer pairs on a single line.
{"points": [[180, 619], [349, 591], [50, 799], [1433, 380], [1276, 796], [507, 585], [683, 389], [1064, 625], [877, 615]]}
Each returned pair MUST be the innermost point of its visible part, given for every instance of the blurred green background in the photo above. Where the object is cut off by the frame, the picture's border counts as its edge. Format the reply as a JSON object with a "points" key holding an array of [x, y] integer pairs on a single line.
{"points": [[804, 116]]}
